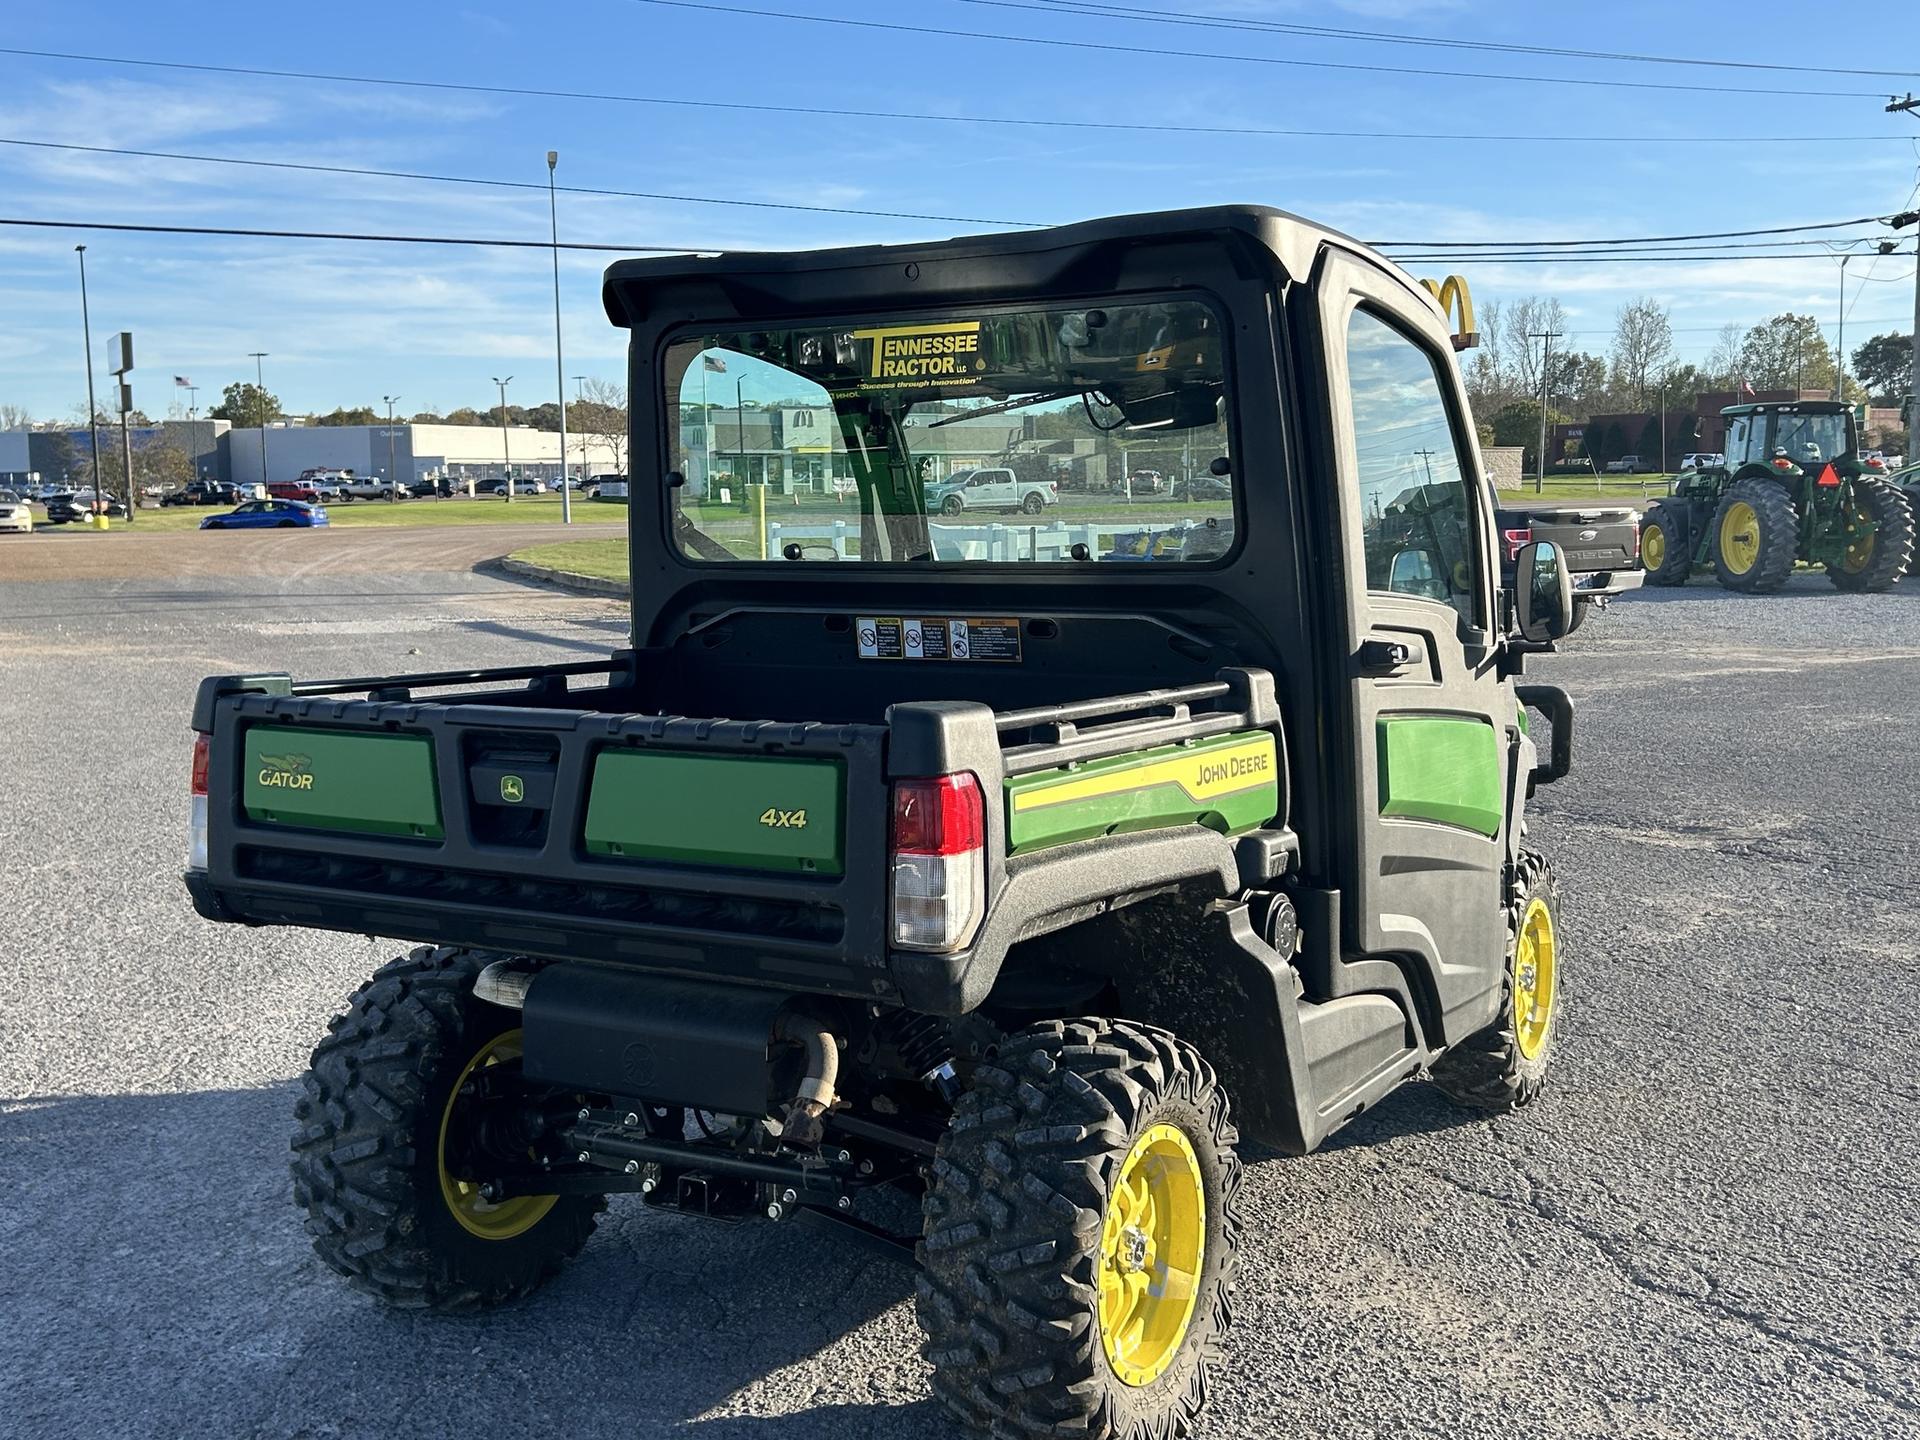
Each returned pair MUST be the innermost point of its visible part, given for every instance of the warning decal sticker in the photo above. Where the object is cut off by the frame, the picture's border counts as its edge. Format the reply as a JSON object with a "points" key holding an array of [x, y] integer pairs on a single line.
{"points": [[938, 637]]}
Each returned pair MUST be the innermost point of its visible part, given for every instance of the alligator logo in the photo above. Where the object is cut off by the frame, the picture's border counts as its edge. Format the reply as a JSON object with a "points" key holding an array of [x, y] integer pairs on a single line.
{"points": [[286, 772], [512, 789]]}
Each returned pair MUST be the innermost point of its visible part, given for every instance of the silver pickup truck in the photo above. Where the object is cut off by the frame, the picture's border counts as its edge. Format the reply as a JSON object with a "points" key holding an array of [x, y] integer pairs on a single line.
{"points": [[990, 489]]}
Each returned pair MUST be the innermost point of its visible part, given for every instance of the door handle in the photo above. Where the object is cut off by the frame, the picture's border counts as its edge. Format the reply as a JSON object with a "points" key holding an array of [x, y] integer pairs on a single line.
{"points": [[1390, 657]]}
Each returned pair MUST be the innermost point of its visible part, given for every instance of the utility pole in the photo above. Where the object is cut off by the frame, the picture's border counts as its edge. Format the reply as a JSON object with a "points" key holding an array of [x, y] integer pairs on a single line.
{"points": [[1840, 337], [393, 480], [559, 360], [123, 366], [580, 404], [1900, 222], [1547, 337], [260, 383], [506, 454], [93, 410]]}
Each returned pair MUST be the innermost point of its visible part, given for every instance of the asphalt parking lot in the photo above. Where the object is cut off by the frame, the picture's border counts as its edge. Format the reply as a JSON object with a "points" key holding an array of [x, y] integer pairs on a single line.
{"points": [[1705, 1229]]}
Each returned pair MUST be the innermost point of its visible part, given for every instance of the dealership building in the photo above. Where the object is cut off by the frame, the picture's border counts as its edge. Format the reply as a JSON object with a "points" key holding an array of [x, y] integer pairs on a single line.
{"points": [[219, 451]]}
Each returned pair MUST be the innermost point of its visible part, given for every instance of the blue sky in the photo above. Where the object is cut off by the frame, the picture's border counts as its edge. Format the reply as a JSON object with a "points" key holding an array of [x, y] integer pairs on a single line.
{"points": [[344, 324]]}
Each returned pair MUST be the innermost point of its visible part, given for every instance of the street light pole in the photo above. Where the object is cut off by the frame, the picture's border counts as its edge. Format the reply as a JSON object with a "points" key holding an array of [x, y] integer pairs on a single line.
{"points": [[506, 453], [393, 480], [559, 359], [93, 411], [260, 384]]}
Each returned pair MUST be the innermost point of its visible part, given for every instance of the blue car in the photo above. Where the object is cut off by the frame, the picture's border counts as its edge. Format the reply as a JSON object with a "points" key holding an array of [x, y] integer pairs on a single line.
{"points": [[268, 515]]}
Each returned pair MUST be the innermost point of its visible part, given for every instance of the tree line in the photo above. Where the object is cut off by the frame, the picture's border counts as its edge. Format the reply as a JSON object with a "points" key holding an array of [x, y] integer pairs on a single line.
{"points": [[1506, 380]]}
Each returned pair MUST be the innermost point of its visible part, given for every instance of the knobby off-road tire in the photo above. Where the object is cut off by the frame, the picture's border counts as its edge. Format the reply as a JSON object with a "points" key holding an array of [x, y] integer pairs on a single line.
{"points": [[1505, 1065], [1877, 561], [1031, 1186], [1666, 546], [1761, 562], [367, 1154]]}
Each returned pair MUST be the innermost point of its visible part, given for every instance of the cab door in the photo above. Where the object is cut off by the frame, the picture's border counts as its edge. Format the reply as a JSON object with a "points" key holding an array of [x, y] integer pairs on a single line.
{"points": [[1428, 743]]}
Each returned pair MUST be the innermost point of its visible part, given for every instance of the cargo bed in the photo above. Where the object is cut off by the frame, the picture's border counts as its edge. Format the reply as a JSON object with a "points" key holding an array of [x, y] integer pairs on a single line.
{"points": [[545, 811]]}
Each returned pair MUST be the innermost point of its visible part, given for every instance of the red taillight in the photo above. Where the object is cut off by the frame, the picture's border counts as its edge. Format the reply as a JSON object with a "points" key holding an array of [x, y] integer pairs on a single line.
{"points": [[1635, 554], [943, 815], [1780, 462], [1515, 539], [202, 752], [939, 862]]}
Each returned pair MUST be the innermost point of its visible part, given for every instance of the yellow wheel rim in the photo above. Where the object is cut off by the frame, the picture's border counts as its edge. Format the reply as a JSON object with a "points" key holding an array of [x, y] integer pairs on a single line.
{"points": [[1152, 1244], [480, 1217], [1740, 537], [1534, 979], [1860, 553], [1653, 547]]}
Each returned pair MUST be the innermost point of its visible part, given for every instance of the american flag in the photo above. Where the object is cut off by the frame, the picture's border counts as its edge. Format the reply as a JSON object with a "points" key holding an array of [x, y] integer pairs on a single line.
{"points": [[183, 382], [714, 363]]}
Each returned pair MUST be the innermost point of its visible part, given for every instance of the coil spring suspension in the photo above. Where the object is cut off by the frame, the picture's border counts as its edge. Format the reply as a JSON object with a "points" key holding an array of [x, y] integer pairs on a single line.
{"points": [[926, 1048]]}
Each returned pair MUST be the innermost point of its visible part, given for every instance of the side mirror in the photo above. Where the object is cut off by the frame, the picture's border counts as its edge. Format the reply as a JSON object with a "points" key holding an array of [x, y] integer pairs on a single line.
{"points": [[1543, 592], [1411, 573]]}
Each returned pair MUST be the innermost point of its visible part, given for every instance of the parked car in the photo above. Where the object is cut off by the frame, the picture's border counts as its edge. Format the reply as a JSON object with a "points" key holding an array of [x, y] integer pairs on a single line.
{"points": [[16, 515], [610, 486], [994, 489], [1204, 487], [372, 487], [1626, 465], [307, 492], [204, 492], [268, 515], [72, 507], [1702, 460], [520, 487], [1148, 482]]}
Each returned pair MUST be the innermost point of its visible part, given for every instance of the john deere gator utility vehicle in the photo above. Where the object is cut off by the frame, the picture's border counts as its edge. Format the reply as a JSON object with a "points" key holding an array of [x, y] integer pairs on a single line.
{"points": [[1793, 488], [1013, 861]]}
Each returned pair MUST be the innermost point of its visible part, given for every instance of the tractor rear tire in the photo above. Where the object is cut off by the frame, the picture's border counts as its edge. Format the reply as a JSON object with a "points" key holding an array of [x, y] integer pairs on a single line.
{"points": [[1878, 560], [1666, 545], [1505, 1065], [1082, 1226], [1756, 537], [368, 1164]]}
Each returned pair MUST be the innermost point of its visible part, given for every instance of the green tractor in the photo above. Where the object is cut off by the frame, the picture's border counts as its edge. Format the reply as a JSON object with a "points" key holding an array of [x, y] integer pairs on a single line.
{"points": [[1793, 488]]}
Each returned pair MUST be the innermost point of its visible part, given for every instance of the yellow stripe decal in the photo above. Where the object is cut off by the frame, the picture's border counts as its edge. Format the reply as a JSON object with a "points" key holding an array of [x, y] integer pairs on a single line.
{"points": [[1205, 775]]}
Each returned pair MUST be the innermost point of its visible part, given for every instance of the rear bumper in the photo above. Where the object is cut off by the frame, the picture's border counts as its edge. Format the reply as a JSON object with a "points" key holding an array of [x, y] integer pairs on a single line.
{"points": [[1597, 584]]}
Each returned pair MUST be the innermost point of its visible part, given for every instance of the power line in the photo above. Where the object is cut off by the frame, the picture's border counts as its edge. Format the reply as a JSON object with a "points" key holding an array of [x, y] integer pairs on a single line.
{"points": [[1632, 239], [1581, 249], [506, 184], [1489, 246], [1655, 258], [925, 117], [1160, 53], [343, 235], [1390, 37], [245, 233]]}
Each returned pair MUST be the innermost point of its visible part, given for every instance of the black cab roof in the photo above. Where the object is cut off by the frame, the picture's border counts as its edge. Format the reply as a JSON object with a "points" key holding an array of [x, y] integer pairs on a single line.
{"points": [[778, 279]]}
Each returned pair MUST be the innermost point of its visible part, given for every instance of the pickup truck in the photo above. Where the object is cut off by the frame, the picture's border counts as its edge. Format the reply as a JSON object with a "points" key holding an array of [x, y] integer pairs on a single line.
{"points": [[371, 487], [1601, 544], [1625, 465], [991, 489], [1023, 880]]}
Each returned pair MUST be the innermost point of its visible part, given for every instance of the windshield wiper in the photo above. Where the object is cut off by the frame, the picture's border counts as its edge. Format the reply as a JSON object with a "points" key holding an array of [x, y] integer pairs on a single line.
{"points": [[1003, 406]]}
